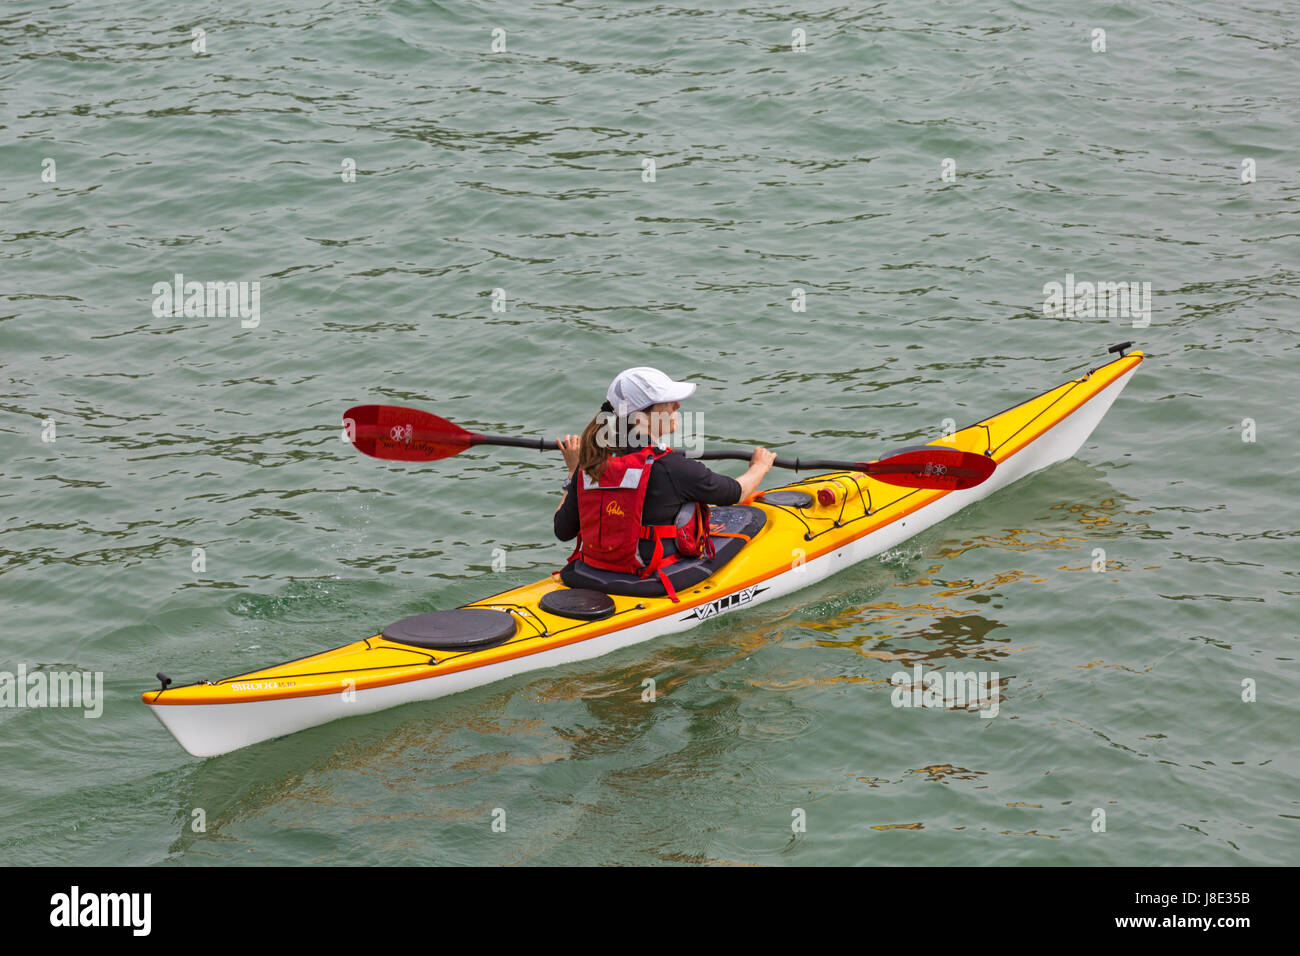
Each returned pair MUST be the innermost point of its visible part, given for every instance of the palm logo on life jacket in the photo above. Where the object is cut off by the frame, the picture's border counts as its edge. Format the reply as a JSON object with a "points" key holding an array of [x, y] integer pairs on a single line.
{"points": [[610, 528]]}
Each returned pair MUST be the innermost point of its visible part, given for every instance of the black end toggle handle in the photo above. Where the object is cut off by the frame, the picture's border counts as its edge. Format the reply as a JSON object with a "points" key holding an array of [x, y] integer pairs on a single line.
{"points": [[163, 678], [1120, 348]]}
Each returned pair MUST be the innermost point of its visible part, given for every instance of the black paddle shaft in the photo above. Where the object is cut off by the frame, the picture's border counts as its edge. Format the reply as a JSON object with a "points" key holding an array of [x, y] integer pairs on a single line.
{"points": [[877, 468], [797, 464], [541, 444]]}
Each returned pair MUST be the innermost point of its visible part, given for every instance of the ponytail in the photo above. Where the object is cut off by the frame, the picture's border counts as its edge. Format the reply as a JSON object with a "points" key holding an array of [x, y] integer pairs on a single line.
{"points": [[599, 441], [595, 447]]}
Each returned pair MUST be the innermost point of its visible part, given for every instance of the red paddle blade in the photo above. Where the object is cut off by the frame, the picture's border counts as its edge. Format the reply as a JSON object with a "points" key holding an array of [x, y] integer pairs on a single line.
{"points": [[928, 466], [404, 434]]}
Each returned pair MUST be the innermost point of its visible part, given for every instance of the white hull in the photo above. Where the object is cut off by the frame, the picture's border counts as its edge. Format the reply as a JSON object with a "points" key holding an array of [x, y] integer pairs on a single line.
{"points": [[206, 730]]}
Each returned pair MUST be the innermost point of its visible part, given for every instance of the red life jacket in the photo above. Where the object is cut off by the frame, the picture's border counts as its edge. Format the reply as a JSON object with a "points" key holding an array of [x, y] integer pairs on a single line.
{"points": [[610, 528]]}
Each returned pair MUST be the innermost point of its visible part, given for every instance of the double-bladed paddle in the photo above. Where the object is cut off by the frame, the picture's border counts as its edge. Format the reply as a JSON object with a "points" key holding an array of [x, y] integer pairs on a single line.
{"points": [[394, 433]]}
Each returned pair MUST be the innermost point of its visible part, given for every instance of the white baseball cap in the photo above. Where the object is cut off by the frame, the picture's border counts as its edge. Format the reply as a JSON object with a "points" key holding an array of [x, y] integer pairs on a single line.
{"points": [[641, 387]]}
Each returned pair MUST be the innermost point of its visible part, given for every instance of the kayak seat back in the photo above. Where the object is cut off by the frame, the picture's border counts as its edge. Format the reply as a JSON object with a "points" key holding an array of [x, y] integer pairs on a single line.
{"points": [[733, 526]]}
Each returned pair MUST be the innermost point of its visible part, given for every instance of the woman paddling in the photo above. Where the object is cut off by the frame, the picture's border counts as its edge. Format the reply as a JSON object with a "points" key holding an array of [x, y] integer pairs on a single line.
{"points": [[635, 505]]}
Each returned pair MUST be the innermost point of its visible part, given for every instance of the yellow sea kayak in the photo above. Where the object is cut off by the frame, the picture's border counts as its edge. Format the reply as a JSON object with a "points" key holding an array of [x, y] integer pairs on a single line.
{"points": [[778, 543]]}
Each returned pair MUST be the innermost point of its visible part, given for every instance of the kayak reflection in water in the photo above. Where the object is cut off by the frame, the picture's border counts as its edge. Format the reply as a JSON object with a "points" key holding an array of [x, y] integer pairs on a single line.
{"points": [[633, 503]]}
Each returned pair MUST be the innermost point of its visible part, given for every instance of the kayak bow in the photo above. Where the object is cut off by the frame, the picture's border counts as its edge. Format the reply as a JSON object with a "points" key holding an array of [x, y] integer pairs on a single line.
{"points": [[816, 527]]}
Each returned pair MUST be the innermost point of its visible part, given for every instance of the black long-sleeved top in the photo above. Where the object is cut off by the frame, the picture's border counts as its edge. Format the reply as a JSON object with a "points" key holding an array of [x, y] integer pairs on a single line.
{"points": [[674, 480]]}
